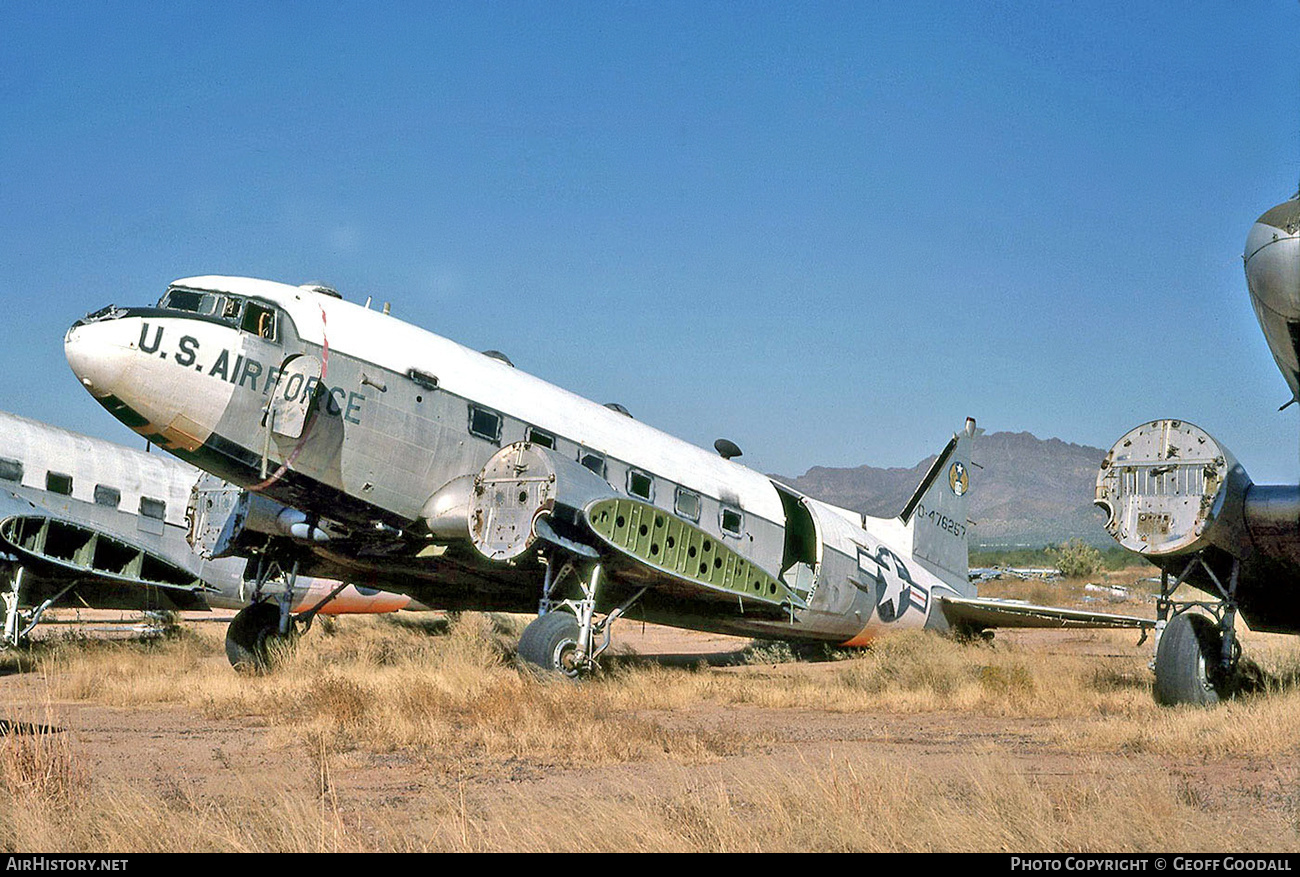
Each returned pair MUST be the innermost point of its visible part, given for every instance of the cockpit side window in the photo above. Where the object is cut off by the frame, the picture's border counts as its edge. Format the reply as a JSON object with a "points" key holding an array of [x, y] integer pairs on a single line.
{"points": [[259, 319]]}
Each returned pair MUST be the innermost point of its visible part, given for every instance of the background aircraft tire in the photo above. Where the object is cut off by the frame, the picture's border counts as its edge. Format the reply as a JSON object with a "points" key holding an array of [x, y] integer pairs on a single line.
{"points": [[1187, 662], [551, 642], [250, 636]]}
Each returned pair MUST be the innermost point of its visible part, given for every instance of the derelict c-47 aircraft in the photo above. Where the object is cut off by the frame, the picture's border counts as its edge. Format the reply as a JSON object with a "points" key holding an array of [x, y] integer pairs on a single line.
{"points": [[87, 523], [1179, 498], [434, 470]]}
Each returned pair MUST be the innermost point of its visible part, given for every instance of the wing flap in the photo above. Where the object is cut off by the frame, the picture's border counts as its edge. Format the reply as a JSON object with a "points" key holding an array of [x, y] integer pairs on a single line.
{"points": [[684, 558], [985, 612]]}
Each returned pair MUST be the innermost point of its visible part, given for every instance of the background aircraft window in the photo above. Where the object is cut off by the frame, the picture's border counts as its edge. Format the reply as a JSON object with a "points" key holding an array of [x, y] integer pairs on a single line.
{"points": [[593, 461], [640, 484], [57, 482], [11, 470], [687, 504], [484, 424], [153, 508], [109, 496], [732, 521], [540, 437], [259, 320]]}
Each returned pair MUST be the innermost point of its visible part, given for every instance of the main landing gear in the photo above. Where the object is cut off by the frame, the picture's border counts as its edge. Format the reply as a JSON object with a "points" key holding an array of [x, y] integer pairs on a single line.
{"points": [[19, 623], [1198, 657], [267, 626], [567, 638]]}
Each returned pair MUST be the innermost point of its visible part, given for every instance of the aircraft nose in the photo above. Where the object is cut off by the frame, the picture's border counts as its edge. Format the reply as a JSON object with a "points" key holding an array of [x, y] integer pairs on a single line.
{"points": [[1273, 260], [98, 350]]}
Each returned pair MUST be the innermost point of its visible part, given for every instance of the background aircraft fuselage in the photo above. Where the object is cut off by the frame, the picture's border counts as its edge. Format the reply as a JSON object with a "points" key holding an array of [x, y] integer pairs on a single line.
{"points": [[104, 526]]}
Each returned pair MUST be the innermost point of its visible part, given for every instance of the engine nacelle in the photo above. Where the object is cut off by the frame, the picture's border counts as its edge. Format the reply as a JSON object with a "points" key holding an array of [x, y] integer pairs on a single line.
{"points": [[1168, 488], [522, 483], [223, 517]]}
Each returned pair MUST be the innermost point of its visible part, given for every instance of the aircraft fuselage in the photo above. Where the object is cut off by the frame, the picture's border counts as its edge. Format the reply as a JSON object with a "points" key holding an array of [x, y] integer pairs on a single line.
{"points": [[377, 430]]}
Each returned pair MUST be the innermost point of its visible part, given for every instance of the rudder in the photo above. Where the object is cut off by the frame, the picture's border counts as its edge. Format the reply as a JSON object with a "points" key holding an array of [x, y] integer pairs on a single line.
{"points": [[937, 513]]}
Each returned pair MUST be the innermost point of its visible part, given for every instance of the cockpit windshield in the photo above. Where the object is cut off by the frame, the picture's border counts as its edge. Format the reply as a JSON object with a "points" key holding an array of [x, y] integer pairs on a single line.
{"points": [[189, 300], [250, 316]]}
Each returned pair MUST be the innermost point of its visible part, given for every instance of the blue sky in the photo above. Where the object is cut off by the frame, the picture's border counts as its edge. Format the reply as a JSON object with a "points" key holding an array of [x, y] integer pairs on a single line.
{"points": [[827, 231]]}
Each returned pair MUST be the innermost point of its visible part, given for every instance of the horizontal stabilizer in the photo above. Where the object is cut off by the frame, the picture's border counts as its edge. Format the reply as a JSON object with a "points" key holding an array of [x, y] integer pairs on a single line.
{"points": [[980, 613]]}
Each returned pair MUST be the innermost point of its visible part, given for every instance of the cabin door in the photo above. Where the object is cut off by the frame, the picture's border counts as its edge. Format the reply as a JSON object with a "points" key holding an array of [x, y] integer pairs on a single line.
{"points": [[801, 557], [295, 392]]}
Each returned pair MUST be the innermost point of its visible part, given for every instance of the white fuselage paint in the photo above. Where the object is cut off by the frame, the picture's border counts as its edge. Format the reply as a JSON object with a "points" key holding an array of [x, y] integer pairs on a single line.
{"points": [[185, 405]]}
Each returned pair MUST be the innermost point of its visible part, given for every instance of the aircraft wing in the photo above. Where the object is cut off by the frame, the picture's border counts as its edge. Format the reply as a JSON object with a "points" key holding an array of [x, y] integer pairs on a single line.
{"points": [[985, 612], [670, 554], [78, 550]]}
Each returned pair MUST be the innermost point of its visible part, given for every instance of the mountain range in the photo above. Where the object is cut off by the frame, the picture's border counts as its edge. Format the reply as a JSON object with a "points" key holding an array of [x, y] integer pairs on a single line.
{"points": [[1024, 491]]}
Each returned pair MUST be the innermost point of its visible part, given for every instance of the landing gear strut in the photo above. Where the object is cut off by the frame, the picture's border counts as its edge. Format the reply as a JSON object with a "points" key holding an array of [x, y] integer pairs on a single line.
{"points": [[19, 623], [268, 620], [567, 637], [1197, 653]]}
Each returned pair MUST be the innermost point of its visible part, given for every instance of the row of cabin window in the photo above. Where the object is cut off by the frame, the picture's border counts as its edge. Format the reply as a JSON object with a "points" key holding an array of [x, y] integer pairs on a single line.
{"points": [[57, 482], [486, 424]]}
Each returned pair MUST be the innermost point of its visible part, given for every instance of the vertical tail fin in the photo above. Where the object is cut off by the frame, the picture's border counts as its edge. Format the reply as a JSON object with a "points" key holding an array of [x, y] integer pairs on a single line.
{"points": [[937, 512]]}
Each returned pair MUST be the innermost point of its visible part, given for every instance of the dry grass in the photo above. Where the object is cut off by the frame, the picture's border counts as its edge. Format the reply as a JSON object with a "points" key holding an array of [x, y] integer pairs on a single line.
{"points": [[449, 701], [379, 685], [988, 804]]}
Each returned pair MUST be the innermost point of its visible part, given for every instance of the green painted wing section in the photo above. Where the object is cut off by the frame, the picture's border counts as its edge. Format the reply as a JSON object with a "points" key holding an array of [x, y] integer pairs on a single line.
{"points": [[673, 547]]}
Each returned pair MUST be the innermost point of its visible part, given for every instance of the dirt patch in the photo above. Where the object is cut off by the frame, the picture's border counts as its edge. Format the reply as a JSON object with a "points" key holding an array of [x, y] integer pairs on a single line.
{"points": [[411, 796]]}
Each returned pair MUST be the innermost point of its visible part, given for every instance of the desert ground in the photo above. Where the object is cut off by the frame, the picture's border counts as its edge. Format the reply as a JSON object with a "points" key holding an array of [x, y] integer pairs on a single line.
{"points": [[421, 732]]}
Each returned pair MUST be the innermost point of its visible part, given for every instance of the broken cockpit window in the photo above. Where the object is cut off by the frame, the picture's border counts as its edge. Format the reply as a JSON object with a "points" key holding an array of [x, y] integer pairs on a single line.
{"points": [[250, 316], [191, 301]]}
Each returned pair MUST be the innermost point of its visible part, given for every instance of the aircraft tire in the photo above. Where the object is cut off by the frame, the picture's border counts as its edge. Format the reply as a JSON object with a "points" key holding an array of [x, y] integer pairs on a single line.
{"points": [[1187, 662], [250, 636], [551, 643]]}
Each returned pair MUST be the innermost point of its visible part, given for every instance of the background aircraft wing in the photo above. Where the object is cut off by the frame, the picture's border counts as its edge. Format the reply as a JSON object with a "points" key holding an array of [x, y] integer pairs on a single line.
{"points": [[60, 546], [980, 613]]}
